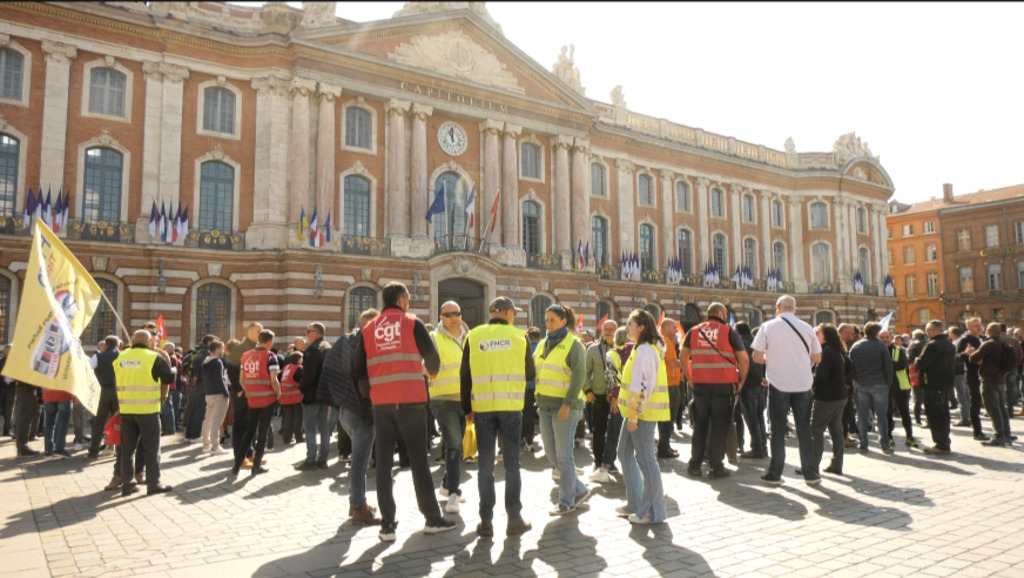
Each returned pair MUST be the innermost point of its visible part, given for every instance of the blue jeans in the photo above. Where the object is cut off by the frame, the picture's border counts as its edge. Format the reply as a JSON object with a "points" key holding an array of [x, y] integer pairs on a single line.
{"points": [[317, 417], [779, 404], [645, 496], [506, 426], [360, 430], [451, 420], [754, 401], [557, 437], [169, 412], [55, 425], [873, 397]]}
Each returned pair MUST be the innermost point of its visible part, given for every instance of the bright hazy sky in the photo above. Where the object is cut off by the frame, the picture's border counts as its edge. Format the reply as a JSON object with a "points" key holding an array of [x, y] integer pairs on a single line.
{"points": [[935, 89]]}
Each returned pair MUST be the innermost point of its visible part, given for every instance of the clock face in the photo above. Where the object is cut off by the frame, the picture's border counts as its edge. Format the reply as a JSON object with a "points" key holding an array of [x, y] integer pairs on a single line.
{"points": [[452, 138]]}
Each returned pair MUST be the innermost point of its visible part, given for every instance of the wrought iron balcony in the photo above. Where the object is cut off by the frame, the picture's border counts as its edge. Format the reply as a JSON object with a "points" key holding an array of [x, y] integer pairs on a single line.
{"points": [[652, 276], [214, 239], [545, 262], [461, 243], [608, 272], [107, 231], [824, 287], [11, 225], [366, 246]]}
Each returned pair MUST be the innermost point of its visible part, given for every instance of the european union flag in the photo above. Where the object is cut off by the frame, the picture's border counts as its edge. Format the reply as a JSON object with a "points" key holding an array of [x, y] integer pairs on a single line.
{"points": [[437, 207]]}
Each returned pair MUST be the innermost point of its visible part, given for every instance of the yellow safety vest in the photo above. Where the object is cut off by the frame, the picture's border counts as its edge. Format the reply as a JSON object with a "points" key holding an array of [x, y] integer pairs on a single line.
{"points": [[901, 375], [446, 385], [553, 374], [497, 359], [137, 392], [657, 407]]}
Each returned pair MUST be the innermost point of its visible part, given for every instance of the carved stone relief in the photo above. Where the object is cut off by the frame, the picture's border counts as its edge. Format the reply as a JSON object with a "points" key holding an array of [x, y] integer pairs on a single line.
{"points": [[456, 54]]}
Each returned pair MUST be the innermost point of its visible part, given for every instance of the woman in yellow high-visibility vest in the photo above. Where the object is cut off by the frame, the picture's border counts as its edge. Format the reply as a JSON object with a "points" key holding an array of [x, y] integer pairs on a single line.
{"points": [[643, 402], [561, 369]]}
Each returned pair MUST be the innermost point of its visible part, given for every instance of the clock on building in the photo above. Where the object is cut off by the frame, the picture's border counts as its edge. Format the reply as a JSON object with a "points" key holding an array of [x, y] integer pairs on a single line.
{"points": [[452, 138]]}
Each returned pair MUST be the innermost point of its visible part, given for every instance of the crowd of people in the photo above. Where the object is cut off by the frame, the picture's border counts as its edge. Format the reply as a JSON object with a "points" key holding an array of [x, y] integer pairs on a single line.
{"points": [[394, 379]]}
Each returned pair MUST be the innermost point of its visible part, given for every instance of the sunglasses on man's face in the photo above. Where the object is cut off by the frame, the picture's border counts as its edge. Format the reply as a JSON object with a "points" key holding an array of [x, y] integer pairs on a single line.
{"points": [[452, 314]]}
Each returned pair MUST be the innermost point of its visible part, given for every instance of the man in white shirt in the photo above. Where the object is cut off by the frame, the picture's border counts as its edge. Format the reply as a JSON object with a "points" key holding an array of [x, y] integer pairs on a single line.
{"points": [[788, 346]]}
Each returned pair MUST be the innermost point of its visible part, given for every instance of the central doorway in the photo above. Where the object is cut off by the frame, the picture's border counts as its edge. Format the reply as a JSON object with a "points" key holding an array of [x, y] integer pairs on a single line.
{"points": [[468, 294]]}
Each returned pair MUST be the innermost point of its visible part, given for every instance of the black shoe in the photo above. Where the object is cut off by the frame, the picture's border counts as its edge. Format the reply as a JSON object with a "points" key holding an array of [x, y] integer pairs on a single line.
{"points": [[306, 466], [669, 454], [157, 489], [833, 470], [981, 437], [442, 525], [719, 474], [256, 470], [26, 452], [485, 529], [753, 455], [994, 443], [129, 489], [235, 470], [270, 443], [962, 424], [321, 464], [695, 472]]}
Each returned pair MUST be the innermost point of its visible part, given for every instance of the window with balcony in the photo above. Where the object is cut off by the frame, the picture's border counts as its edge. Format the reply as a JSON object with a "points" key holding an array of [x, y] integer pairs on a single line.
{"points": [[102, 181], [684, 249], [599, 240], [357, 206], [10, 151]]}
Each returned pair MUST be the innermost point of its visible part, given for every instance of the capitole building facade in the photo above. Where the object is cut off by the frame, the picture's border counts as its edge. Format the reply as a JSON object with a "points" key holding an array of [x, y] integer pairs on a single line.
{"points": [[250, 118]]}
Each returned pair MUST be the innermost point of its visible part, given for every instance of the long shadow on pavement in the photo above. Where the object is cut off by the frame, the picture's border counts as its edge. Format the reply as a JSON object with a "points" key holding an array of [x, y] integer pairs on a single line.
{"points": [[761, 500], [563, 547], [832, 504], [875, 489], [664, 555]]}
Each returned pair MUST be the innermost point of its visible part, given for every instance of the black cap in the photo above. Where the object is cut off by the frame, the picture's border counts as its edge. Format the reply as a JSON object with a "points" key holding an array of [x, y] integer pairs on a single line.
{"points": [[503, 304]]}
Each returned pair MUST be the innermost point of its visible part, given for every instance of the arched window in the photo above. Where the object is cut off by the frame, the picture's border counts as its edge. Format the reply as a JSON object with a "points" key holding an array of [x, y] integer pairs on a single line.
{"points": [[647, 261], [538, 305], [754, 318], [717, 203], [360, 299], [530, 160], [102, 181], [216, 197], [864, 262], [103, 322], [605, 308], [684, 250], [106, 91], [597, 180], [654, 310], [683, 196], [531, 227], [718, 254], [750, 255], [862, 221], [10, 149], [358, 128], [213, 311], [645, 190], [749, 208], [778, 214], [821, 263], [5, 309], [824, 316], [819, 215], [599, 239], [779, 258], [12, 69], [691, 314], [218, 110], [452, 224], [357, 207]]}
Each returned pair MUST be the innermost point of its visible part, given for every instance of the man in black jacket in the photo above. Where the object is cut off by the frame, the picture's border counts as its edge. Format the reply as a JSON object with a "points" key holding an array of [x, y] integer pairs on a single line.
{"points": [[935, 365], [355, 415], [108, 392], [754, 399], [196, 400], [317, 416], [970, 342]]}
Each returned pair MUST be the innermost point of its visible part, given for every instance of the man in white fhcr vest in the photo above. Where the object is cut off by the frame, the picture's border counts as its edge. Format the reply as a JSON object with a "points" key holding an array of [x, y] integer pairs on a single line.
{"points": [[496, 364], [445, 402]]}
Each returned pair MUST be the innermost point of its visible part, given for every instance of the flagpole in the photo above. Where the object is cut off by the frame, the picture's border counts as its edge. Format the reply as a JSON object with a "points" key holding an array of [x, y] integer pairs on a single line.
{"points": [[116, 316]]}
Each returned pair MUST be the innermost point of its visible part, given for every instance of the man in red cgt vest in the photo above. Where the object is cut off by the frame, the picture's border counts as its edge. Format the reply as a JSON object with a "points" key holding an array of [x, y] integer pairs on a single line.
{"points": [[258, 377]]}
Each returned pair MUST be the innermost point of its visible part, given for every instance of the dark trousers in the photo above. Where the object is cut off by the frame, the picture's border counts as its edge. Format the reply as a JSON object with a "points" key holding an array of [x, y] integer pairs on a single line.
{"points": [[754, 402], [918, 405], [291, 422], [142, 429], [529, 416], [665, 427], [406, 422], [828, 415], [139, 460], [196, 412], [936, 407], [26, 410], [712, 414], [994, 397], [240, 428], [901, 399], [601, 411], [259, 425], [850, 413], [974, 387], [9, 393], [779, 404]]}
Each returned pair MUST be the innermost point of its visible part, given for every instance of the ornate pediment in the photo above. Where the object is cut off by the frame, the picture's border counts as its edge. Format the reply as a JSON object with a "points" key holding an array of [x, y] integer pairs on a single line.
{"points": [[455, 54]]}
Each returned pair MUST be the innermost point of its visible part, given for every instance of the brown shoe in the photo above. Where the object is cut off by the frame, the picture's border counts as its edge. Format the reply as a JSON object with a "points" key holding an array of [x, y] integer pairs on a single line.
{"points": [[364, 516], [114, 484], [140, 478], [519, 527]]}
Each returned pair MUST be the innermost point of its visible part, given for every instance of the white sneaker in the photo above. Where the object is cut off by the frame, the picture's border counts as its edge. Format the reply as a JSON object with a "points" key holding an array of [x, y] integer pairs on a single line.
{"points": [[218, 451], [206, 448], [622, 512], [601, 476], [634, 519], [452, 507], [77, 447]]}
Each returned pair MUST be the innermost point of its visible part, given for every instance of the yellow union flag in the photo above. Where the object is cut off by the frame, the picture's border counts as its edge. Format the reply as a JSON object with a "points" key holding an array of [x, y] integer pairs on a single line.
{"points": [[59, 300]]}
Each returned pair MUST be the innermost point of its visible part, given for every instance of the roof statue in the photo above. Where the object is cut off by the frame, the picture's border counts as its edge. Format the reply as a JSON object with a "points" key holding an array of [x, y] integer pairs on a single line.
{"points": [[477, 8], [316, 14], [565, 70], [617, 98], [849, 147], [790, 146]]}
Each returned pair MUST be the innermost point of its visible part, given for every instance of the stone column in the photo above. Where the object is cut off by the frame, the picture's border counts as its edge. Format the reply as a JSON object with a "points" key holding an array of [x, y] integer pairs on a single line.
{"points": [[851, 214], [510, 181], [420, 188], [627, 225], [839, 241], [490, 188], [397, 202], [579, 194], [170, 132], [704, 231], [271, 160], [797, 252], [876, 218], [561, 208], [151, 143], [668, 209], [298, 173], [326, 189], [766, 233], [55, 113], [735, 191]]}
